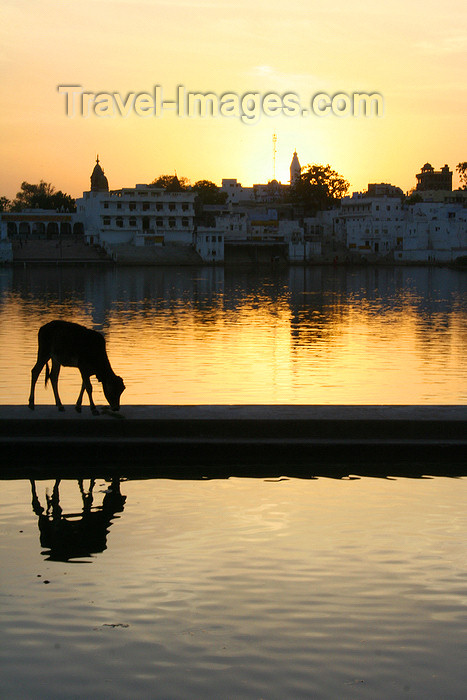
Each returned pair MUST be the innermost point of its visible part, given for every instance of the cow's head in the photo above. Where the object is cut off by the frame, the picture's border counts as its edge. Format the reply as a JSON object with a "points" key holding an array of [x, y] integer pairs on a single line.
{"points": [[113, 389]]}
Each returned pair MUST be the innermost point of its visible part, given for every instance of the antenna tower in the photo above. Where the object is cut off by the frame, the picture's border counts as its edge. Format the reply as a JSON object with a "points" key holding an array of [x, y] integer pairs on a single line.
{"points": [[274, 150]]}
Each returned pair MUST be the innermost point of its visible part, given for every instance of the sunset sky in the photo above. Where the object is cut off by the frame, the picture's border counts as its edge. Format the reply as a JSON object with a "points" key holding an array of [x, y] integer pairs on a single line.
{"points": [[412, 53]]}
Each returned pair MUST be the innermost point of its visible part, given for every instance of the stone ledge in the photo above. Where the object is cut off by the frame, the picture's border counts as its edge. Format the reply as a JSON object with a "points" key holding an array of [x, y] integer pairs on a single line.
{"points": [[221, 441]]}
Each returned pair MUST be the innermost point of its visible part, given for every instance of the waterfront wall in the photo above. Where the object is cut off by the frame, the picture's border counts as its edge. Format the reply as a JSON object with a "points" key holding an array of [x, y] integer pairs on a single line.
{"points": [[6, 251], [243, 440]]}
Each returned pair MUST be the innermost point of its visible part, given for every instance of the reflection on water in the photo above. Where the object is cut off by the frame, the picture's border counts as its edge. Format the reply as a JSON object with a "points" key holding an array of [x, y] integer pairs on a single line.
{"points": [[239, 588], [74, 535], [302, 335]]}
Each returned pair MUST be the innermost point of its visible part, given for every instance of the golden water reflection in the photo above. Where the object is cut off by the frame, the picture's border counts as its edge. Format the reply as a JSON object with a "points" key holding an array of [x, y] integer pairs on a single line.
{"points": [[302, 336]]}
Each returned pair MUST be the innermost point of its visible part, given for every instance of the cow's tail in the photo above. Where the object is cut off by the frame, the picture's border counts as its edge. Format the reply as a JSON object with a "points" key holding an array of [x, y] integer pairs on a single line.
{"points": [[47, 373]]}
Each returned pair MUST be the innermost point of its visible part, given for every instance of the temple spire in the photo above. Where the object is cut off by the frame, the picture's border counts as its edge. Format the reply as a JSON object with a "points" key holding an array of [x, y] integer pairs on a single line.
{"points": [[295, 168], [99, 182]]}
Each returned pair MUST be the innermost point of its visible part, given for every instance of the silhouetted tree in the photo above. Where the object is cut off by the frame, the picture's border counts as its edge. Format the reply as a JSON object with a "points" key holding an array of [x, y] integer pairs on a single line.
{"points": [[208, 192], [462, 170], [171, 183], [5, 204], [42, 196], [414, 198], [318, 188]]}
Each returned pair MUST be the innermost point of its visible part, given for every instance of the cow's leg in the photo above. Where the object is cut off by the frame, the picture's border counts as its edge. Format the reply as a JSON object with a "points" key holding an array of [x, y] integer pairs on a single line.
{"points": [[86, 497], [79, 400], [36, 506], [35, 372], [55, 500], [54, 372], [88, 387]]}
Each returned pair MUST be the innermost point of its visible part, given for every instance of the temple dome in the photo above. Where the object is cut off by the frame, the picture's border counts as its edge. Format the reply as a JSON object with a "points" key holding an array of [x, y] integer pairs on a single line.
{"points": [[99, 182], [174, 185]]}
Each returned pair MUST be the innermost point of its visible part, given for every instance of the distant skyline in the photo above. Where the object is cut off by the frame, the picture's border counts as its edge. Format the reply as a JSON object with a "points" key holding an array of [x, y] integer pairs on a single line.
{"points": [[413, 54]]}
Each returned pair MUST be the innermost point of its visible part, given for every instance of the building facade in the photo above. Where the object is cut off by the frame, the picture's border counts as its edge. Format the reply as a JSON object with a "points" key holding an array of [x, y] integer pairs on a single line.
{"points": [[371, 225], [141, 215], [384, 227], [434, 232], [430, 179]]}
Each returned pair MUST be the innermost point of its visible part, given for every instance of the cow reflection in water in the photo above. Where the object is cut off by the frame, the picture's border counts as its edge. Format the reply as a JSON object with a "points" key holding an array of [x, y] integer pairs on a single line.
{"points": [[73, 535]]}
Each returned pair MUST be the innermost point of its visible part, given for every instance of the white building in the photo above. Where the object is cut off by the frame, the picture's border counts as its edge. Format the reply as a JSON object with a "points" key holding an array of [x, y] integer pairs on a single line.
{"points": [[141, 215], [371, 224], [235, 192], [434, 232], [209, 244], [379, 226], [233, 222]]}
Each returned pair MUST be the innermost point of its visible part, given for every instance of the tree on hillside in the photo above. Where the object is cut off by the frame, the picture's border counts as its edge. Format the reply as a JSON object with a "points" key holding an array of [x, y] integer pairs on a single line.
{"points": [[171, 183], [42, 196], [318, 188], [462, 170]]}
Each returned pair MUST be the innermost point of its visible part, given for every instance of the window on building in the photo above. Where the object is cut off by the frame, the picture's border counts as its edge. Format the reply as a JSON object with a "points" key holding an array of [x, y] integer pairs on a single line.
{"points": [[185, 207], [119, 205], [132, 206], [106, 205], [159, 206], [145, 206], [172, 222], [159, 221], [119, 222], [132, 221], [106, 220], [185, 221], [171, 206]]}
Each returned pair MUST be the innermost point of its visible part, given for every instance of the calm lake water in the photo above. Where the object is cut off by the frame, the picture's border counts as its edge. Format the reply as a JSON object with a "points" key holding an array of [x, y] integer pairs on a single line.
{"points": [[213, 336], [239, 588]]}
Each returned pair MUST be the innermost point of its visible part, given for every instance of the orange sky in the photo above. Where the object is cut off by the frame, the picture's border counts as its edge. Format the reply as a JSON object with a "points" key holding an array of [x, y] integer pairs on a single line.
{"points": [[413, 54]]}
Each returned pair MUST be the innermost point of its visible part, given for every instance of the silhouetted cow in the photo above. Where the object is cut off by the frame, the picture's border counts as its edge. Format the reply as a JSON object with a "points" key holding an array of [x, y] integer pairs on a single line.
{"points": [[68, 536], [72, 345]]}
